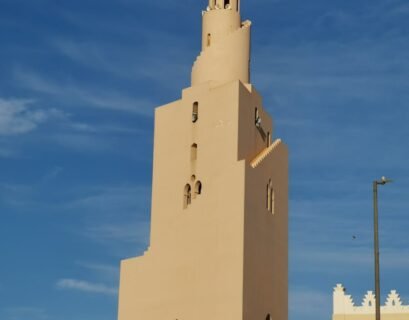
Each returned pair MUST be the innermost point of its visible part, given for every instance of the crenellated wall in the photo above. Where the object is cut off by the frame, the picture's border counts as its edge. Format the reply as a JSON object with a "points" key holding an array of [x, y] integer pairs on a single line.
{"points": [[344, 307]]}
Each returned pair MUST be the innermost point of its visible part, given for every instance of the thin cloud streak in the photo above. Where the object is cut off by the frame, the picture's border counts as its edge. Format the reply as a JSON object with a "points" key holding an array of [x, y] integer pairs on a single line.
{"points": [[85, 286], [75, 95], [344, 260], [134, 233], [18, 116], [24, 313], [108, 272]]}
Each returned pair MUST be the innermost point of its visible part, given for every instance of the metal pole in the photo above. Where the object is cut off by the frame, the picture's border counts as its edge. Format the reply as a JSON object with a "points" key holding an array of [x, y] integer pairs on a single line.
{"points": [[376, 252]]}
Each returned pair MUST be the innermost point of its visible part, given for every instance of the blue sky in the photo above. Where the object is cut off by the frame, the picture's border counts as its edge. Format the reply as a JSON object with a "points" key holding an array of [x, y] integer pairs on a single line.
{"points": [[79, 82]]}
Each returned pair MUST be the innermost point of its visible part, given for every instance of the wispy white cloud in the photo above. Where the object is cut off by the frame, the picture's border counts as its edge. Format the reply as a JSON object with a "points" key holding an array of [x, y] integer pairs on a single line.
{"points": [[105, 273], [52, 174], [108, 272], [89, 97], [24, 313], [136, 233], [18, 116], [118, 59], [103, 128], [107, 200], [81, 141], [85, 286], [347, 260], [6, 152], [116, 217]]}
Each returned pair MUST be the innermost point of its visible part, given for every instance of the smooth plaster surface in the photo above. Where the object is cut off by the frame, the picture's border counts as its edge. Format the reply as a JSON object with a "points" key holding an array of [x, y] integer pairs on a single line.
{"points": [[225, 254]]}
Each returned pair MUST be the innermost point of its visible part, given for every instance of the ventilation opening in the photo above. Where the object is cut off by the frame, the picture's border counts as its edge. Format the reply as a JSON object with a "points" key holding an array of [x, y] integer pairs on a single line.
{"points": [[270, 198], [187, 197], [198, 188], [209, 40], [272, 201], [257, 119], [193, 152], [195, 112]]}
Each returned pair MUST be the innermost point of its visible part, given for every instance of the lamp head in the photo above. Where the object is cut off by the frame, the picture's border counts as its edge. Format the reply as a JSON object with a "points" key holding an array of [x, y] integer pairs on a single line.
{"points": [[385, 180]]}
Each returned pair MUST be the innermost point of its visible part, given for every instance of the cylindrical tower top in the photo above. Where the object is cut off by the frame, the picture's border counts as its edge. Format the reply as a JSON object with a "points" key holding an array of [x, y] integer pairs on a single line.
{"points": [[225, 52], [224, 4]]}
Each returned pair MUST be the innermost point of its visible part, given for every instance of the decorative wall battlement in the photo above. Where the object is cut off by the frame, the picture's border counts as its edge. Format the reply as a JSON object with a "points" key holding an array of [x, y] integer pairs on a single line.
{"points": [[344, 304]]}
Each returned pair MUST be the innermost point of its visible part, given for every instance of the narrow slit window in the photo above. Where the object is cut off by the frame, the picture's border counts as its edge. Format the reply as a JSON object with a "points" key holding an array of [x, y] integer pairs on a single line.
{"points": [[195, 112], [268, 317], [238, 5], [268, 200], [268, 139], [193, 152], [272, 201], [268, 197], [209, 40], [187, 197], [198, 188], [257, 119]]}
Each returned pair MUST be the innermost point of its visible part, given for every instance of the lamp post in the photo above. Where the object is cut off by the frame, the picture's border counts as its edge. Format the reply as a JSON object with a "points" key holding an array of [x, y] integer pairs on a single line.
{"points": [[376, 246]]}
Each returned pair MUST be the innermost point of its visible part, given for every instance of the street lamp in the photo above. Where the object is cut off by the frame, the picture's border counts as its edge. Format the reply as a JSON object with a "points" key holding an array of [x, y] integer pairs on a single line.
{"points": [[376, 245]]}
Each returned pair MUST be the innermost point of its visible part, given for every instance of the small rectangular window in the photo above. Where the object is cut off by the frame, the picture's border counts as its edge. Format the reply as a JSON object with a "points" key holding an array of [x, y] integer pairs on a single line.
{"points": [[195, 112], [193, 152]]}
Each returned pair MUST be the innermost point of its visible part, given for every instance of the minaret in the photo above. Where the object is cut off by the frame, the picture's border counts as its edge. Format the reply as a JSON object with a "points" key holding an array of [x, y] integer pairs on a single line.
{"points": [[219, 230]]}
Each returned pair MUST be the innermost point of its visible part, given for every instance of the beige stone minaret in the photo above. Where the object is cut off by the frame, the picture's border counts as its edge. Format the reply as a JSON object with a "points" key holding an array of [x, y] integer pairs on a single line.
{"points": [[219, 233]]}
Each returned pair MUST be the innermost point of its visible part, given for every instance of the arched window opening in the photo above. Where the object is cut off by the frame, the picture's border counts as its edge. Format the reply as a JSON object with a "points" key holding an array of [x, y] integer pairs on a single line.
{"points": [[198, 188], [195, 112], [257, 119], [193, 152], [187, 197], [227, 4], [393, 302], [370, 303], [268, 317], [209, 40]]}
